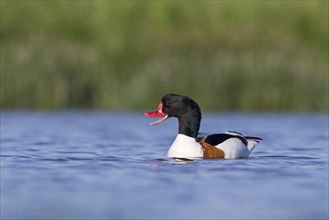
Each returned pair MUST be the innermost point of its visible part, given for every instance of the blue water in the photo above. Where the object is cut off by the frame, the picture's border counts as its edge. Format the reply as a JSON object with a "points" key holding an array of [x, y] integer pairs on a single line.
{"points": [[89, 165]]}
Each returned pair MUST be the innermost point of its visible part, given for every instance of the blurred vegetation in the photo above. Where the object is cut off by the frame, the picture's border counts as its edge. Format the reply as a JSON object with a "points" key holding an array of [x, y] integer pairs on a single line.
{"points": [[227, 55]]}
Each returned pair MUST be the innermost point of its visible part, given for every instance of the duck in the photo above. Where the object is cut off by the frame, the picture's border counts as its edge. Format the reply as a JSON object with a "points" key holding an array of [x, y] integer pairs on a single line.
{"points": [[187, 145]]}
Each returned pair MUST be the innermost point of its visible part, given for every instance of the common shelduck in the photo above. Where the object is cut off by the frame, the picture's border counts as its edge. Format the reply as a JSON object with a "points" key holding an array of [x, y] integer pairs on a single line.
{"points": [[228, 145]]}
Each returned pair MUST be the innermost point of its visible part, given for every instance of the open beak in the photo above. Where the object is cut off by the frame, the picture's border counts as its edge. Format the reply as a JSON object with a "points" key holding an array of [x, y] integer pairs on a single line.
{"points": [[157, 113]]}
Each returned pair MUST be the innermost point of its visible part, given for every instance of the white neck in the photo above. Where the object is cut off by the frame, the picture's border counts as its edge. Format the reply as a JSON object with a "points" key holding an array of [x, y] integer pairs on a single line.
{"points": [[185, 147]]}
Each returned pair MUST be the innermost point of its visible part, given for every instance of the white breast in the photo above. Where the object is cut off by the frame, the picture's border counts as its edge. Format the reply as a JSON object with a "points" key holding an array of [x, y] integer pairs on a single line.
{"points": [[185, 147]]}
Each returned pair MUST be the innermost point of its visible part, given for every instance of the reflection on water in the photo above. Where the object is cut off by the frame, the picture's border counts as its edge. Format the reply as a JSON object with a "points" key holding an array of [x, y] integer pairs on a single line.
{"points": [[112, 165]]}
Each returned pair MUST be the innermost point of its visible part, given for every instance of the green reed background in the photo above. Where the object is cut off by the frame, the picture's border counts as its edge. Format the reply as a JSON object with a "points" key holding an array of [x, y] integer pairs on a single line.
{"points": [[227, 55]]}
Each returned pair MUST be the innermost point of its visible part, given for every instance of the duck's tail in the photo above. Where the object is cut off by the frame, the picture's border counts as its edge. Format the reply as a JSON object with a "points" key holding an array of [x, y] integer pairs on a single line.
{"points": [[252, 142]]}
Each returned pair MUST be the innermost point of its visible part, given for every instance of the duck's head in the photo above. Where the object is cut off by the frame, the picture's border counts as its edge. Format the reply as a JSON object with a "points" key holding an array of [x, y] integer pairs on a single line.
{"points": [[182, 107]]}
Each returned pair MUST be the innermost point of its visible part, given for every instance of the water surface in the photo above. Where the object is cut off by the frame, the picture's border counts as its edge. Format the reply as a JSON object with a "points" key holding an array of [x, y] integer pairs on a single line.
{"points": [[88, 165]]}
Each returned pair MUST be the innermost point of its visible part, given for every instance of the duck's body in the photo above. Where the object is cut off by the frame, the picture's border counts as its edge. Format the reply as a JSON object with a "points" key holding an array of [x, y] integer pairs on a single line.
{"points": [[229, 145]]}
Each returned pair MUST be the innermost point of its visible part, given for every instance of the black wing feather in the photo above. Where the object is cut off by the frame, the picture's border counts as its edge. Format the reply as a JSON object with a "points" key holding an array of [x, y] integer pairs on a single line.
{"points": [[216, 139], [253, 138]]}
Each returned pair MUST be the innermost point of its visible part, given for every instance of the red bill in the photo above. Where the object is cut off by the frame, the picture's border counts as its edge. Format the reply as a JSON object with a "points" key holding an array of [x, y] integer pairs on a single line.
{"points": [[157, 113]]}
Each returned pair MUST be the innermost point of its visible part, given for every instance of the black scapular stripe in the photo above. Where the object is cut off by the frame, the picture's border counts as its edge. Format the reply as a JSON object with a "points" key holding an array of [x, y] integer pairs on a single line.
{"points": [[216, 139], [253, 138]]}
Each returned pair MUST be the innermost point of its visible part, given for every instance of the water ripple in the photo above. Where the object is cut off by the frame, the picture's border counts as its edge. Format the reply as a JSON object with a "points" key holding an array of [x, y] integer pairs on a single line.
{"points": [[57, 162]]}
